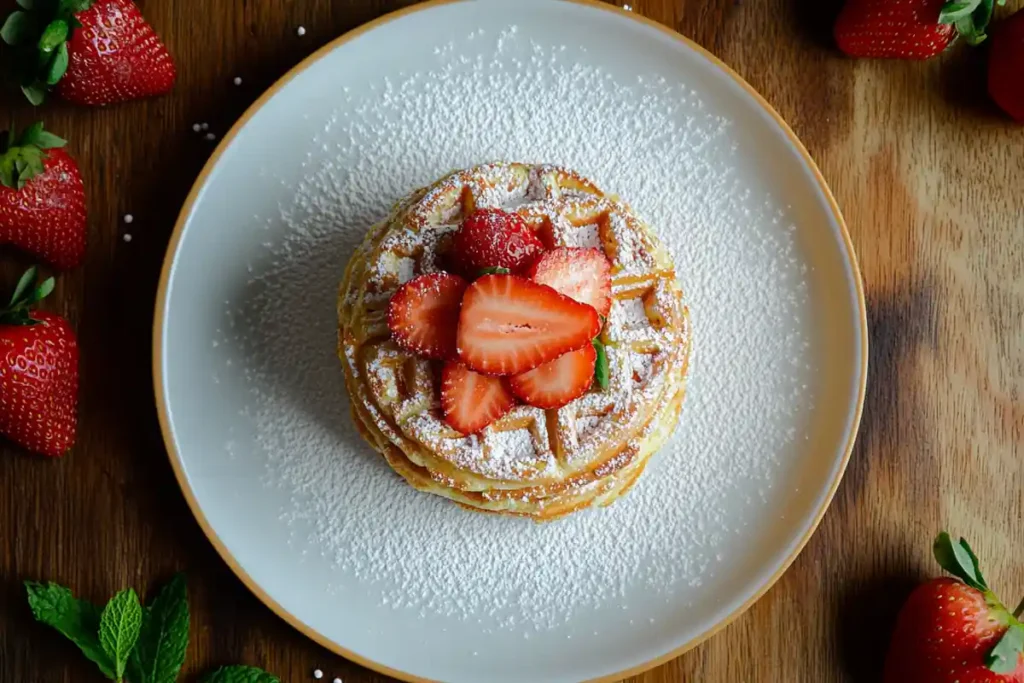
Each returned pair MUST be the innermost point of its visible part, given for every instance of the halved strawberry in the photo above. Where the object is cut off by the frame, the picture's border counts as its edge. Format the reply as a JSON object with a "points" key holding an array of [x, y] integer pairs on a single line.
{"points": [[423, 314], [509, 325], [557, 382], [583, 274], [492, 238], [472, 401]]}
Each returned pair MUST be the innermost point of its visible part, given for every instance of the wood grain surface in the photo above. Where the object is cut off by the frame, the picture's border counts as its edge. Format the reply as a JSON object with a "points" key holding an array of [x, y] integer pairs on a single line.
{"points": [[930, 177]]}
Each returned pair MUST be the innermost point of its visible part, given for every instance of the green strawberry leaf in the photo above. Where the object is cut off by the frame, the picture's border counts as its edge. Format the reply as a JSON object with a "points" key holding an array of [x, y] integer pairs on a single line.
{"points": [[30, 134], [58, 65], [119, 629], [74, 6], [1005, 656], [601, 372], [28, 278], [78, 620], [54, 35], [240, 674], [36, 93], [954, 11], [26, 4], [160, 652], [494, 270], [958, 559], [18, 29]]}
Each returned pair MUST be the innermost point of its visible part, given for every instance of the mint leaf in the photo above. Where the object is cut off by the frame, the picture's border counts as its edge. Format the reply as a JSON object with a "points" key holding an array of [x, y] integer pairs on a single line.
{"points": [[160, 652], [240, 674], [78, 620], [1005, 656], [601, 372], [119, 629]]}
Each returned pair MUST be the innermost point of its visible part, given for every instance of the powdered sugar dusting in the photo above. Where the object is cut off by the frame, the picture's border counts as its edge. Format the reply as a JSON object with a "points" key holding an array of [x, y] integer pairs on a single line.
{"points": [[654, 144]]}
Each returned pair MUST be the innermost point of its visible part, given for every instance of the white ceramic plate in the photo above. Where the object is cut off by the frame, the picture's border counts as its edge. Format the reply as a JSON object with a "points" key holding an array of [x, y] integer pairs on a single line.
{"points": [[254, 410]]}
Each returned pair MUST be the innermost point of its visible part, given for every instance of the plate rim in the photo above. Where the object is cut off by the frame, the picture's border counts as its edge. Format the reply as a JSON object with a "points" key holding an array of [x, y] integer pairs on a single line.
{"points": [[160, 313]]}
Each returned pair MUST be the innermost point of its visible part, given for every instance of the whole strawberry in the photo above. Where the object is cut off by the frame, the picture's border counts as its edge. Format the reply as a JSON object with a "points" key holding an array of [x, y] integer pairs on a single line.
{"points": [[42, 199], [94, 52], [1006, 66], [953, 631], [38, 372], [909, 29]]}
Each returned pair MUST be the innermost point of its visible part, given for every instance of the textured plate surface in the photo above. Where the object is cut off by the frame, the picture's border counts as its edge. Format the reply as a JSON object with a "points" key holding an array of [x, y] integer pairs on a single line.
{"points": [[252, 400]]}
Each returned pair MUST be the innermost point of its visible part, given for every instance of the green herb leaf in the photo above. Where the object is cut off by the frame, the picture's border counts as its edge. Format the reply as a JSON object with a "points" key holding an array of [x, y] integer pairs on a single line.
{"points": [[954, 11], [160, 652], [26, 281], [78, 620], [54, 35], [119, 629], [1005, 656], [36, 93], [494, 270], [58, 65], [958, 559], [601, 365], [19, 28], [240, 674], [31, 134], [74, 6]]}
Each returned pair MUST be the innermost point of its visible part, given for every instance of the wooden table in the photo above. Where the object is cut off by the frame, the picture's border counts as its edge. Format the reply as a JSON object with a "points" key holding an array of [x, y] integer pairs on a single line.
{"points": [[931, 179]]}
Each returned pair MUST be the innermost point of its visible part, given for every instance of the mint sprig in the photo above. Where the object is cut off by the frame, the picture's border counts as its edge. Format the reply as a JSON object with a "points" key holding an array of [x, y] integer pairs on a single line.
{"points": [[129, 642], [601, 370]]}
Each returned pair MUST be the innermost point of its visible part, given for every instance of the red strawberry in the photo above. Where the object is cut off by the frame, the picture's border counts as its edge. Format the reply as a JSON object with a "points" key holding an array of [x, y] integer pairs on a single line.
{"points": [[908, 29], [95, 52], [38, 373], [472, 401], [951, 631], [509, 325], [423, 314], [492, 238], [583, 274], [42, 199], [557, 382], [1006, 66]]}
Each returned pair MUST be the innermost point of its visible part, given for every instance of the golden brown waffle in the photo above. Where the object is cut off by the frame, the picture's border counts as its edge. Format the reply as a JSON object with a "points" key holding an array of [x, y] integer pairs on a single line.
{"points": [[538, 463]]}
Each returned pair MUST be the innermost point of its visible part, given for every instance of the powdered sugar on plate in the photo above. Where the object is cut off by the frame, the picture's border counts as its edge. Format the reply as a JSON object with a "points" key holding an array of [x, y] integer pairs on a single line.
{"points": [[653, 143]]}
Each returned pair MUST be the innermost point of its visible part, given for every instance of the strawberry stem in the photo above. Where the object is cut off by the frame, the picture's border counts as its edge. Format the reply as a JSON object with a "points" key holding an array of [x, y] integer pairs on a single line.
{"points": [[1020, 610]]}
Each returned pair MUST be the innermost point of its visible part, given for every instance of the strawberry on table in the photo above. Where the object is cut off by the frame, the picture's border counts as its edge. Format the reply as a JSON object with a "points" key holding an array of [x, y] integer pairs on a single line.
{"points": [[953, 631], [1006, 66], [42, 199], [583, 274], [492, 238], [509, 325], [94, 52], [472, 401], [38, 372], [909, 29], [423, 315], [557, 382]]}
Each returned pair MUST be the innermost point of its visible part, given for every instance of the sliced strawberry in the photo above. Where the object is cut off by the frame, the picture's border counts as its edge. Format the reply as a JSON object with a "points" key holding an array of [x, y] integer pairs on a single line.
{"points": [[492, 238], [583, 274], [509, 325], [423, 315], [472, 401], [557, 382]]}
